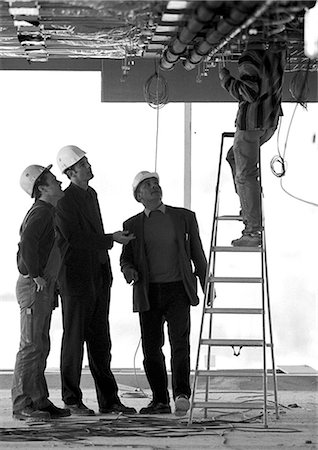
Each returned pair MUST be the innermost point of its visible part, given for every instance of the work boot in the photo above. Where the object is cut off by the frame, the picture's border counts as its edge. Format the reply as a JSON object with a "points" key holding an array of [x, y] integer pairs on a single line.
{"points": [[32, 414], [248, 240]]}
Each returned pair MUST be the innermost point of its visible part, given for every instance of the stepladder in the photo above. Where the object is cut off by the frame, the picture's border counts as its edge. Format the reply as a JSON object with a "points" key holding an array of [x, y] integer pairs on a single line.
{"points": [[235, 365]]}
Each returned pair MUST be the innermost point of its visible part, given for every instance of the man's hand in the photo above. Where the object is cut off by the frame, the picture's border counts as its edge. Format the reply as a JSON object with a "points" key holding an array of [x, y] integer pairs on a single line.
{"points": [[131, 275], [40, 283], [123, 237], [223, 73]]}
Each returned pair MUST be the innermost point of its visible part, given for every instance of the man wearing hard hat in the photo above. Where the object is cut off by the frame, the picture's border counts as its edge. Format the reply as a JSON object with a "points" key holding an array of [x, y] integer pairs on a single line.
{"points": [[85, 282], [38, 264], [159, 265]]}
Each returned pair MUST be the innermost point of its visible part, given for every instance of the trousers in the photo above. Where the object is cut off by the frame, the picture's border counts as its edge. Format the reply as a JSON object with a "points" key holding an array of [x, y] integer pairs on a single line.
{"points": [[85, 319], [168, 303], [29, 387], [243, 158]]}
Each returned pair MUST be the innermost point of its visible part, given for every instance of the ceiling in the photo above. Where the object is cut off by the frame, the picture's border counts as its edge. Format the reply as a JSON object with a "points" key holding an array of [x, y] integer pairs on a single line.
{"points": [[178, 36]]}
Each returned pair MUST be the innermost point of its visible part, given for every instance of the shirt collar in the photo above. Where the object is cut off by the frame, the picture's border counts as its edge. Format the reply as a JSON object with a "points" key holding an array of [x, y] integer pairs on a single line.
{"points": [[161, 208]]}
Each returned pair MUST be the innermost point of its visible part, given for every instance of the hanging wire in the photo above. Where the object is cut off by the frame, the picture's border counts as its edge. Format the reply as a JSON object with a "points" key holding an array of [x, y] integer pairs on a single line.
{"points": [[280, 159], [156, 90], [138, 392], [156, 95]]}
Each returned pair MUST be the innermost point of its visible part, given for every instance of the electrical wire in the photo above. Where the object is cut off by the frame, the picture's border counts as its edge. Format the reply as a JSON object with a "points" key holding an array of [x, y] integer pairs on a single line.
{"points": [[280, 158], [138, 392], [156, 95]]}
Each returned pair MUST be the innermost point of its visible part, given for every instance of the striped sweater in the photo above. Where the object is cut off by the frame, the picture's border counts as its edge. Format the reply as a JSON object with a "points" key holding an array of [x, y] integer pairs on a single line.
{"points": [[258, 88]]}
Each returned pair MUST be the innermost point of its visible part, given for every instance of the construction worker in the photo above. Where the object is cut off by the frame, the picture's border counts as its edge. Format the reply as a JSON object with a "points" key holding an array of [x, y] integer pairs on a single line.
{"points": [[38, 264], [258, 90], [159, 265], [85, 282]]}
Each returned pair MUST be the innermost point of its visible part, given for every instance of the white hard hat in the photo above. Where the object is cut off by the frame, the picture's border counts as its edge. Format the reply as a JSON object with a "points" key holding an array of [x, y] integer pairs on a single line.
{"points": [[29, 177], [141, 176], [68, 156]]}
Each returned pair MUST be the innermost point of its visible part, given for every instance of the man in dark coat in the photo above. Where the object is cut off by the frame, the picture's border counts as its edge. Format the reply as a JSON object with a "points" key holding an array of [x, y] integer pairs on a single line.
{"points": [[159, 264], [85, 282]]}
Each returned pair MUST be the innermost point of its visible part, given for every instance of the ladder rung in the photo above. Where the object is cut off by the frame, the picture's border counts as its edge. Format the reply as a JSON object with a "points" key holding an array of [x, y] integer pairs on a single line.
{"points": [[235, 279], [230, 134], [231, 373], [234, 310], [231, 405], [237, 249], [233, 342], [229, 217]]}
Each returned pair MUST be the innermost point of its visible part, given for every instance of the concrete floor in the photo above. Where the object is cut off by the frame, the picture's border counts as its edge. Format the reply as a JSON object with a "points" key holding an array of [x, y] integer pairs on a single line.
{"points": [[296, 428]]}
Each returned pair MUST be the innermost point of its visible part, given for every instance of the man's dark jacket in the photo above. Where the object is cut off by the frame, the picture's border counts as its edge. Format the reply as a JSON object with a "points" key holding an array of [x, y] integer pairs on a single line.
{"points": [[81, 243], [189, 250]]}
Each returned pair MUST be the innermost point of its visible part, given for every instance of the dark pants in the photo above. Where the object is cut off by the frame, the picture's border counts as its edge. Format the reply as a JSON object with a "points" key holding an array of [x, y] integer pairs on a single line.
{"points": [[29, 386], [168, 302], [85, 319]]}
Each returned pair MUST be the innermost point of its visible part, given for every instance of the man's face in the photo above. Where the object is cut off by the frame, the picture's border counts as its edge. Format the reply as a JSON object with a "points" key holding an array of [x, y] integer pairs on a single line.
{"points": [[52, 186], [149, 191], [82, 170]]}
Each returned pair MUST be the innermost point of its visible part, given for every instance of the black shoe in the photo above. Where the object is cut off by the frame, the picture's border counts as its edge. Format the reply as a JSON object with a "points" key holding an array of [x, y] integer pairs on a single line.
{"points": [[29, 413], [79, 409], [118, 408], [156, 408], [182, 405], [55, 412]]}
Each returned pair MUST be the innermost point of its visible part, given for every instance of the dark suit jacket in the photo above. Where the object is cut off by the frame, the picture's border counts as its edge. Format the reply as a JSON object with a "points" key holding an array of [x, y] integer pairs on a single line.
{"points": [[190, 251], [81, 243]]}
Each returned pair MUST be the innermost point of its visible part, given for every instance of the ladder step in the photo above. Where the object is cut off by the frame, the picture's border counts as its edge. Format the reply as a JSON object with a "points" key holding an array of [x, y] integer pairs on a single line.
{"points": [[233, 342], [231, 405], [229, 217], [237, 249], [235, 279], [234, 310], [232, 373]]}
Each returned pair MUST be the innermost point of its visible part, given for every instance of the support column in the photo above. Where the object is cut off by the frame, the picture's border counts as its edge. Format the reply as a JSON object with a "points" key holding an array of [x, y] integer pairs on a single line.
{"points": [[187, 155]]}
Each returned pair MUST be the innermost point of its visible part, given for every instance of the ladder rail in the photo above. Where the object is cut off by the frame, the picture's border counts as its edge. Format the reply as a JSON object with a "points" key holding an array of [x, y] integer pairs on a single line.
{"points": [[211, 262]]}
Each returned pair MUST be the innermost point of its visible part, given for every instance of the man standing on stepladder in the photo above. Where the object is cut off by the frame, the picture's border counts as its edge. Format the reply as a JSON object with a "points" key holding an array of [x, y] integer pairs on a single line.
{"points": [[258, 90]]}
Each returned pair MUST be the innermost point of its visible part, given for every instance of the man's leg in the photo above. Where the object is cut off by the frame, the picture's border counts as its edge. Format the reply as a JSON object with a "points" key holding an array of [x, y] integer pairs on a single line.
{"points": [[29, 385], [246, 153], [178, 319], [152, 334], [73, 314], [99, 351]]}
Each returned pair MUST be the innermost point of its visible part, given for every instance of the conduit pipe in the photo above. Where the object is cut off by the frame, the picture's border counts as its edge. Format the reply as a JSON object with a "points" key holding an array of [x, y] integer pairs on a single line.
{"points": [[203, 14], [218, 32]]}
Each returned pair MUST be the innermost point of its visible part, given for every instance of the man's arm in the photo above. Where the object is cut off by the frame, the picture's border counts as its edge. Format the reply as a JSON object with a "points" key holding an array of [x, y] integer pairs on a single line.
{"points": [[72, 227], [197, 252], [247, 87], [126, 261]]}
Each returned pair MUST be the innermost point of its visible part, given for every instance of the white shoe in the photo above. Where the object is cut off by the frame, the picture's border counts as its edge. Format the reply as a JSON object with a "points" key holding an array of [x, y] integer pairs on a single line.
{"points": [[182, 405]]}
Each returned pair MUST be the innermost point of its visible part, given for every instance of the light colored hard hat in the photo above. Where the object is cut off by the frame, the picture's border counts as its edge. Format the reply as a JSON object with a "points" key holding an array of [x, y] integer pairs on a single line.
{"points": [[68, 156], [29, 177], [142, 176]]}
